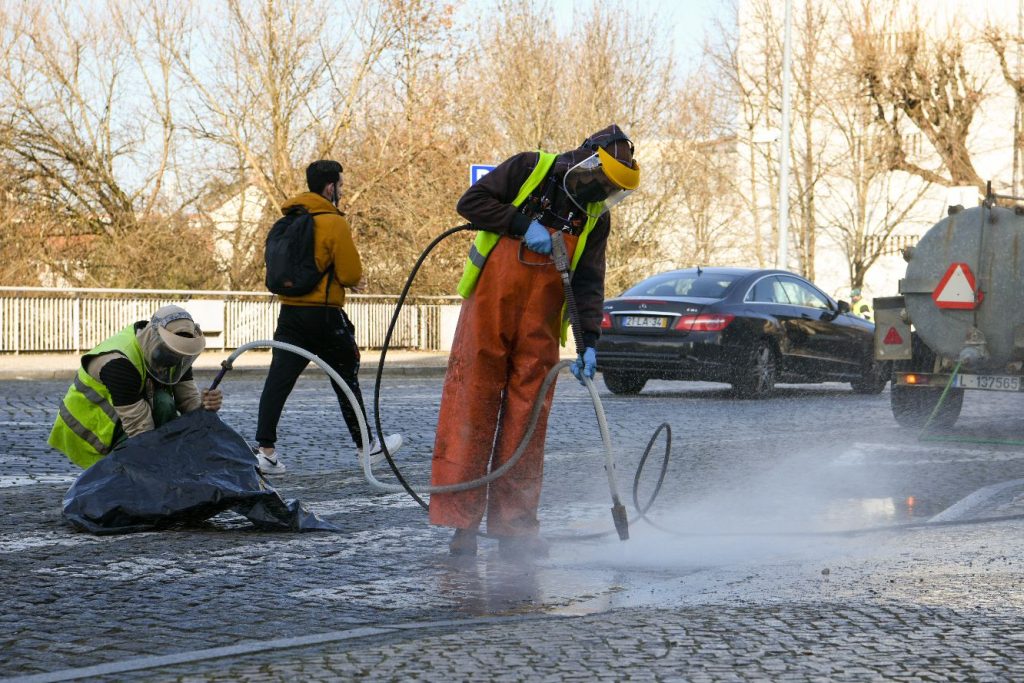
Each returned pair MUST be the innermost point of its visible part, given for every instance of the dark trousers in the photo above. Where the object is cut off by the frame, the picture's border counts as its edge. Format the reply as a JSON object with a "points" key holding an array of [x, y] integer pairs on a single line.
{"points": [[326, 332]]}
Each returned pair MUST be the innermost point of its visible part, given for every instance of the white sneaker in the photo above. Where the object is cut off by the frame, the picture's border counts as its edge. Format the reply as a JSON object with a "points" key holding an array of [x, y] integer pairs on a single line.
{"points": [[392, 441], [267, 463]]}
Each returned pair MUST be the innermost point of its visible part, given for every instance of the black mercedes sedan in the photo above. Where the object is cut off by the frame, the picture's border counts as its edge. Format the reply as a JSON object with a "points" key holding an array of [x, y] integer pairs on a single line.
{"points": [[749, 328]]}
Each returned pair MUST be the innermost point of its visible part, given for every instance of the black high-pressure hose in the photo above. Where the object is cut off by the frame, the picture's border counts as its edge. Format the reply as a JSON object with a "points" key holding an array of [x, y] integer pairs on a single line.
{"points": [[384, 352]]}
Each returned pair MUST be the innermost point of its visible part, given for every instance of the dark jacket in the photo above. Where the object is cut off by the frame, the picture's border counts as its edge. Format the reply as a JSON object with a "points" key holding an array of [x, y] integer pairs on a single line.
{"points": [[487, 204]]}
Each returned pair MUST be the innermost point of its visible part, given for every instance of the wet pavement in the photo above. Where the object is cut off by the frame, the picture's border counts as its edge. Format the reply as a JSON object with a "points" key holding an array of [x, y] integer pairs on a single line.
{"points": [[776, 556]]}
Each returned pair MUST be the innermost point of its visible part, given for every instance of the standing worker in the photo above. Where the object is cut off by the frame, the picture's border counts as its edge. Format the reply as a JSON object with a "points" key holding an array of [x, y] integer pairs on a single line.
{"points": [[316, 321], [508, 332], [859, 306], [131, 383]]}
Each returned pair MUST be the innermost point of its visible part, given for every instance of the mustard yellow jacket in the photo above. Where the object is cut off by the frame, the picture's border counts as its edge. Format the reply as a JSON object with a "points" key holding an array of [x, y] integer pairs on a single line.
{"points": [[333, 244]]}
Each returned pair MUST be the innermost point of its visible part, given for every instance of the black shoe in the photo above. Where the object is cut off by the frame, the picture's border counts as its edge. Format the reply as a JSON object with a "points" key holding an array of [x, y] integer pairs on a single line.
{"points": [[463, 543], [523, 546]]}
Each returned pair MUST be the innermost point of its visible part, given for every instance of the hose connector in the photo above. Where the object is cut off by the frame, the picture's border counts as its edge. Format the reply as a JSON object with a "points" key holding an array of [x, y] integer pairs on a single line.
{"points": [[225, 365], [621, 521]]}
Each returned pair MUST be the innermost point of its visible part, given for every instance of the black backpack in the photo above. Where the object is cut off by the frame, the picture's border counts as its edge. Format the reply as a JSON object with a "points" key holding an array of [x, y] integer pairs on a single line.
{"points": [[290, 255]]}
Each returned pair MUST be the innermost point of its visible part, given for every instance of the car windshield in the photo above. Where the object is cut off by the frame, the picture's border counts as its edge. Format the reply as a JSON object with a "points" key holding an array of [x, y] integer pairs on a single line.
{"points": [[706, 285]]}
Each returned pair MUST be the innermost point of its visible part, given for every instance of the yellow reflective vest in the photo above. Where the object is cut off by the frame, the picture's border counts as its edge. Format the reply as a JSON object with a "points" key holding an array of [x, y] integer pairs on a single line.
{"points": [[86, 421], [485, 241], [862, 309]]}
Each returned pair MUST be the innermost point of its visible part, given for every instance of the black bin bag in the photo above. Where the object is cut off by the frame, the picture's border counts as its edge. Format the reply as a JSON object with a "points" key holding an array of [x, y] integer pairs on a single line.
{"points": [[182, 473]]}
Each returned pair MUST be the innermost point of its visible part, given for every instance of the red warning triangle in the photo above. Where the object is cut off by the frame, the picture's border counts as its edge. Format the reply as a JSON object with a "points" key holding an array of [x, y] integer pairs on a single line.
{"points": [[957, 288], [892, 337]]}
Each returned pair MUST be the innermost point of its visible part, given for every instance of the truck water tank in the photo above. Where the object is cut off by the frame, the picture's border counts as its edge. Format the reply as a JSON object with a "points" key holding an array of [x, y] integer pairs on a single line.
{"points": [[989, 241]]}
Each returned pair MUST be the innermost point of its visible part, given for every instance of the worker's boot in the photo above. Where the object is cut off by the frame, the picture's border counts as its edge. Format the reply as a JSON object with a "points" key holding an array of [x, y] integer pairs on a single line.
{"points": [[463, 543]]}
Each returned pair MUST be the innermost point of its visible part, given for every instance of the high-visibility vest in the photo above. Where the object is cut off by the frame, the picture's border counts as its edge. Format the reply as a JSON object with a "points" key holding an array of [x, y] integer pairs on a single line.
{"points": [[86, 421], [862, 309], [485, 241]]}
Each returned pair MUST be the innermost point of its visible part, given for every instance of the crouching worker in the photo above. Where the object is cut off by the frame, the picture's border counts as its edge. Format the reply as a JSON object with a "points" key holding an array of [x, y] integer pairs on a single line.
{"points": [[133, 382]]}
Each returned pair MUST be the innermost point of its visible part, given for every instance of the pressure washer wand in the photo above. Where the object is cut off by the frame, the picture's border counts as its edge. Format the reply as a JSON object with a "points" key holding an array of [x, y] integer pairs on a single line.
{"points": [[560, 255]]}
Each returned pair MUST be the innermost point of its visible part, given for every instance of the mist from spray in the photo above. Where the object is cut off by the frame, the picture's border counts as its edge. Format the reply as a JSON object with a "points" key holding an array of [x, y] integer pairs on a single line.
{"points": [[771, 513]]}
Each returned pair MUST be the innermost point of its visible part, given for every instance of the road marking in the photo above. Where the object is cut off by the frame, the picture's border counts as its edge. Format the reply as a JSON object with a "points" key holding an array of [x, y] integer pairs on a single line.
{"points": [[263, 646], [17, 542], [30, 479]]}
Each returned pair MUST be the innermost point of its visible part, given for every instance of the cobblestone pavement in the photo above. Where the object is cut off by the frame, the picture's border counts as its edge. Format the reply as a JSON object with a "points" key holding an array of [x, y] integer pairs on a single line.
{"points": [[705, 600]]}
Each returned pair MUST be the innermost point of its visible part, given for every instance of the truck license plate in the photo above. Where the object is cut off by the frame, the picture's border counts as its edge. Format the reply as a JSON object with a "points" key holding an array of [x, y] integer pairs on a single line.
{"points": [[646, 321], [990, 382]]}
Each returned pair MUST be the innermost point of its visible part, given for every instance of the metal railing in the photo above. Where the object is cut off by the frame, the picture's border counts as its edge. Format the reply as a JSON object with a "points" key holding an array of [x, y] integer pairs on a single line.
{"points": [[35, 319]]}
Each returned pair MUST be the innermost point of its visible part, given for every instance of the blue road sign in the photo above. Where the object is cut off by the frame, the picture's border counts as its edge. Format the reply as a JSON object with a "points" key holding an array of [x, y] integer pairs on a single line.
{"points": [[478, 171]]}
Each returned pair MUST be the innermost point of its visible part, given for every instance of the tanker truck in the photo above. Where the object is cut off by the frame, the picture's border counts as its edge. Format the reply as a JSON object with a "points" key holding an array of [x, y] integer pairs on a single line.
{"points": [[958, 320]]}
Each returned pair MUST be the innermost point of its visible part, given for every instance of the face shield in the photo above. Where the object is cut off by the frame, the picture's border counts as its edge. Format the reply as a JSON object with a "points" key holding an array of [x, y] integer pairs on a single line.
{"points": [[599, 182], [170, 344]]}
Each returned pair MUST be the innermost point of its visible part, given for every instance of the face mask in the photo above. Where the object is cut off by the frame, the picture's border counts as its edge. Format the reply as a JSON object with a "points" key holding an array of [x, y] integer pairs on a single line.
{"points": [[591, 192]]}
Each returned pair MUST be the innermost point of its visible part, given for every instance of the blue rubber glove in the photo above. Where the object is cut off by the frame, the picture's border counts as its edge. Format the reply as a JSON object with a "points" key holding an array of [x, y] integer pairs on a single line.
{"points": [[585, 365], [537, 238]]}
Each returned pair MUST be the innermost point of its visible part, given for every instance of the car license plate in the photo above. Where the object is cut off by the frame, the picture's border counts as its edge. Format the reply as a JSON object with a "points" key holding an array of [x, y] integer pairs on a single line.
{"points": [[990, 382], [646, 321]]}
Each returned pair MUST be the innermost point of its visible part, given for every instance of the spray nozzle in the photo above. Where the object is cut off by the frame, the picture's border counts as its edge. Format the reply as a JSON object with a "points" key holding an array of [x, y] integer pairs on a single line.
{"points": [[621, 521], [559, 254]]}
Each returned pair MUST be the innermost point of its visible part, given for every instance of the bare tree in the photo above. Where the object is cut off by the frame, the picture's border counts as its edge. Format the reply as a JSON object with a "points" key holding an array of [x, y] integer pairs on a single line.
{"points": [[124, 118], [757, 76], [816, 80], [867, 201], [1001, 42], [699, 155], [917, 80], [408, 155], [86, 120], [748, 71]]}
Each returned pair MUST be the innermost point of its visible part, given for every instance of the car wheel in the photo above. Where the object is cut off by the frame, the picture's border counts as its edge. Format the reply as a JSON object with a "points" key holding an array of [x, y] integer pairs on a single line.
{"points": [[874, 379], [912, 406], [758, 373], [623, 383]]}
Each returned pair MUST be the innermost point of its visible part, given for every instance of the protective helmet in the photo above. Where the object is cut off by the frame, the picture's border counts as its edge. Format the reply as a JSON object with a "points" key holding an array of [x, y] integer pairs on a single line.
{"points": [[170, 343], [604, 176]]}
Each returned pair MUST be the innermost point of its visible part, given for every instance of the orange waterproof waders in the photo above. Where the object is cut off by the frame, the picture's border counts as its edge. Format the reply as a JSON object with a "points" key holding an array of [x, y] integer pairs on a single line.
{"points": [[505, 344]]}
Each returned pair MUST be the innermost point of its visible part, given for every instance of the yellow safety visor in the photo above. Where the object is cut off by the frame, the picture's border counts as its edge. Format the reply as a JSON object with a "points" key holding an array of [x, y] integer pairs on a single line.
{"points": [[624, 177], [600, 181]]}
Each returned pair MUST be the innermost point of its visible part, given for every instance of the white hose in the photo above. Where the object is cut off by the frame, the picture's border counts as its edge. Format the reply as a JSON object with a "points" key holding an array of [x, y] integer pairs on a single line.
{"points": [[461, 486], [602, 423]]}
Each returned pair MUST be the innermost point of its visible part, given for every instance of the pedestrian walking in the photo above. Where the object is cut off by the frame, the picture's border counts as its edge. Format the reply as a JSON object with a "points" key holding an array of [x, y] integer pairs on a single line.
{"points": [[131, 383], [510, 324], [316, 320]]}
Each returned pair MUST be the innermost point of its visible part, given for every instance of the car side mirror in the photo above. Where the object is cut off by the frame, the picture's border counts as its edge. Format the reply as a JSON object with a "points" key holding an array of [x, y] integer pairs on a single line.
{"points": [[844, 307]]}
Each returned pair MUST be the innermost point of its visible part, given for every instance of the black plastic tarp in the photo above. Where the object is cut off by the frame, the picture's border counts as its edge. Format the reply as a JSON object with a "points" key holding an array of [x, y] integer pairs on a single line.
{"points": [[181, 474]]}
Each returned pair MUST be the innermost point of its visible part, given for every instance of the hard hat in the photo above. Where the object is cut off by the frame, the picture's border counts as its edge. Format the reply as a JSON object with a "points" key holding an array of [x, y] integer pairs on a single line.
{"points": [[170, 343]]}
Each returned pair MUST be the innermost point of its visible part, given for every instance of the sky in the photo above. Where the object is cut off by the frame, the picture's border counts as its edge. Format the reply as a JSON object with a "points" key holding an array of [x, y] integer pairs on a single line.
{"points": [[689, 18]]}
